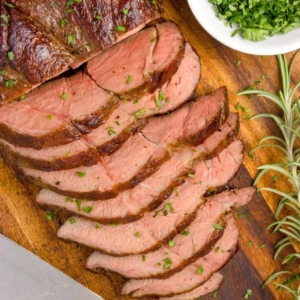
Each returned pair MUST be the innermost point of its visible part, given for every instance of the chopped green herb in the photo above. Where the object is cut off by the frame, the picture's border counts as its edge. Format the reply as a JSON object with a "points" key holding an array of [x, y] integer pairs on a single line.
{"points": [[118, 123], [218, 227], [112, 224], [50, 215], [69, 10], [80, 174], [128, 79], [5, 19], [275, 178], [71, 38], [120, 28], [68, 154], [200, 270], [72, 220], [247, 294], [220, 78], [22, 97], [185, 232], [9, 5], [177, 193], [167, 208], [87, 209], [162, 96], [136, 101], [244, 109], [172, 243], [238, 62], [10, 55], [153, 39], [167, 263], [154, 2], [125, 11], [241, 216], [263, 77], [9, 83], [137, 234], [98, 225], [64, 96], [215, 294], [250, 154], [98, 17], [258, 82], [217, 249], [78, 203], [110, 130], [143, 257], [250, 243], [191, 175], [68, 199], [63, 22], [158, 102], [49, 116], [3, 72], [139, 112], [262, 246]]}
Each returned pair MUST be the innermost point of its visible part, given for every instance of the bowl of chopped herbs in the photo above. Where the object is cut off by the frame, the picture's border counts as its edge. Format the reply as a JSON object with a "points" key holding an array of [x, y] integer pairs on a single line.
{"points": [[260, 27]]}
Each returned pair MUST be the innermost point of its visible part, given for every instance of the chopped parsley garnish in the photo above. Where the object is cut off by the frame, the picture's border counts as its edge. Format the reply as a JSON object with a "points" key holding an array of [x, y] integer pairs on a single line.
{"points": [[172, 243], [9, 5], [9, 83], [118, 123], [167, 208], [80, 174], [275, 178], [72, 220], [10, 55], [68, 154], [247, 294], [128, 79], [120, 28], [68, 199], [191, 175], [110, 130], [50, 215], [5, 19], [158, 102], [218, 227], [3, 72], [78, 203], [87, 209], [69, 10], [71, 38], [153, 39], [262, 246], [177, 193], [137, 234], [98, 225], [136, 101], [215, 294], [185, 232], [139, 112], [64, 96], [125, 11], [217, 249], [238, 62], [154, 2], [250, 243], [22, 97], [241, 216], [98, 17], [49, 116], [143, 257], [244, 109], [63, 22], [167, 263], [200, 270], [162, 96]]}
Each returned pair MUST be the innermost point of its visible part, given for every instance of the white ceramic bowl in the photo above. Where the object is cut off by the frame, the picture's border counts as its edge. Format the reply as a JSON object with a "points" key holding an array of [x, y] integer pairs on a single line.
{"points": [[278, 44]]}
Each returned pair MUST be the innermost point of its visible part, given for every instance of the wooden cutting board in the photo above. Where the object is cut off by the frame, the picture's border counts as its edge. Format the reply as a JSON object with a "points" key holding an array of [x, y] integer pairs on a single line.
{"points": [[22, 221]]}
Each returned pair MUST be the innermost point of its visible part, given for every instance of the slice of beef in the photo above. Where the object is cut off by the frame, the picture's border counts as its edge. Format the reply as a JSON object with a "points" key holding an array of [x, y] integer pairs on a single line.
{"points": [[4, 25], [130, 205], [184, 248], [188, 278], [104, 140], [121, 170], [77, 99], [211, 285], [143, 62], [174, 214], [174, 92], [36, 54], [35, 128]]}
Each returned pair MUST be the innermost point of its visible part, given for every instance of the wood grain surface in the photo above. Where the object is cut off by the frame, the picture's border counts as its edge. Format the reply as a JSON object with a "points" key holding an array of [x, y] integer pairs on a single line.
{"points": [[25, 223]]}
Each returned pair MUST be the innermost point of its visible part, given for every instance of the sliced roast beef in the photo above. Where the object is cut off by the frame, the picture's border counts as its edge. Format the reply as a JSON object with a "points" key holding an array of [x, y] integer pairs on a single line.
{"points": [[36, 129], [130, 205], [211, 285], [188, 278], [33, 52], [140, 63], [4, 23], [173, 93], [77, 99], [179, 252], [190, 124], [171, 216]]}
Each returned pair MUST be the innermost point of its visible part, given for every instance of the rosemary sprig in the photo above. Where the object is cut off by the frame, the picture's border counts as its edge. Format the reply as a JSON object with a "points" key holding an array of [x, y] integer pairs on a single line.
{"points": [[289, 125]]}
